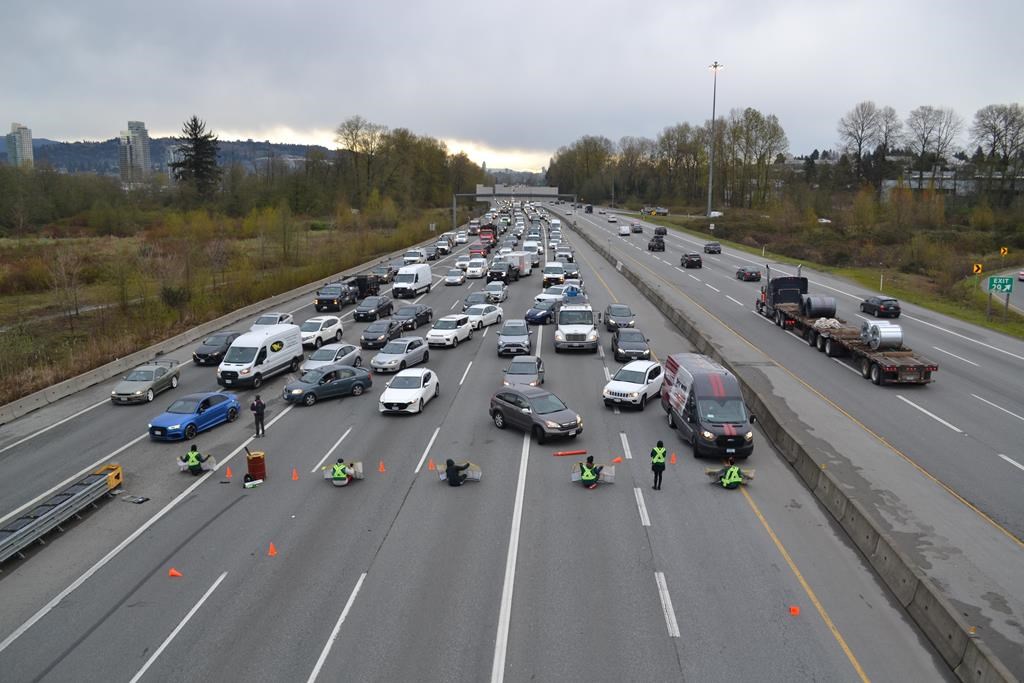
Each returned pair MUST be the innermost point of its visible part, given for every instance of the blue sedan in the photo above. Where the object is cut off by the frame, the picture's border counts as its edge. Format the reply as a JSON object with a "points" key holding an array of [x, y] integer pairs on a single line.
{"points": [[192, 414], [541, 313]]}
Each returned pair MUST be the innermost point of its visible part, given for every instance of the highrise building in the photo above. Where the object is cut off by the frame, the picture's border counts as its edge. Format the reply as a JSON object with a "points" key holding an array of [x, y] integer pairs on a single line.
{"points": [[133, 147], [19, 146]]}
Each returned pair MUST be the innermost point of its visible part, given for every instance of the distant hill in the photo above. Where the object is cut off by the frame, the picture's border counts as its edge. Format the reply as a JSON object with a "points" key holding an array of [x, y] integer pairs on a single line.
{"points": [[102, 157]]}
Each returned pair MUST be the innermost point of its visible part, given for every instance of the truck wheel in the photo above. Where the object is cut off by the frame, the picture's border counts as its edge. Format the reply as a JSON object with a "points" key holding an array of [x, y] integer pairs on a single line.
{"points": [[876, 374], [294, 365], [778, 318], [821, 343], [831, 349], [812, 337], [865, 368]]}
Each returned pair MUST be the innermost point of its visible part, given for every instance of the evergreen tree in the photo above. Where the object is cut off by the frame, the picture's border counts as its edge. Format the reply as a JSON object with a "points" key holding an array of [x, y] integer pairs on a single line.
{"points": [[197, 165]]}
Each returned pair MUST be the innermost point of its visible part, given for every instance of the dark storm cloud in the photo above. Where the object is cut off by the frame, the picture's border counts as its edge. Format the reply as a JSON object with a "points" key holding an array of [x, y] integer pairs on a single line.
{"points": [[528, 75]]}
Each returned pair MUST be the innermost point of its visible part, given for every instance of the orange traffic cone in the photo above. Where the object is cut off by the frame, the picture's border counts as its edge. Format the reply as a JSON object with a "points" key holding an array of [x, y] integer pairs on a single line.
{"points": [[227, 472], [380, 467], [672, 460], [794, 610], [617, 459], [430, 465], [295, 474], [272, 551], [173, 573]]}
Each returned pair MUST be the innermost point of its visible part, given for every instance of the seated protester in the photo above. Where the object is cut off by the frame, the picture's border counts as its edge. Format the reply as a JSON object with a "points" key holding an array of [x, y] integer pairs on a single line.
{"points": [[454, 473], [589, 473], [340, 473], [194, 459], [730, 476]]}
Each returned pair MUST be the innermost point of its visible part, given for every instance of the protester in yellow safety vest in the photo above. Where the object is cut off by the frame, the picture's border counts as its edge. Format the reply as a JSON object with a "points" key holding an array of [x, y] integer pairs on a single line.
{"points": [[194, 459], [589, 473], [340, 473], [731, 476], [658, 464]]}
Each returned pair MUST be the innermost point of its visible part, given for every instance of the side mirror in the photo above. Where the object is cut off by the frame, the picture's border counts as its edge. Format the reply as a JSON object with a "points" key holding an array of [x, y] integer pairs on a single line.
{"points": [[526, 411]]}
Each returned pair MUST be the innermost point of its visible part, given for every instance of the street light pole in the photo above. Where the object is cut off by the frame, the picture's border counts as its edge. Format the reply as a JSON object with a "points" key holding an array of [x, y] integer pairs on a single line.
{"points": [[715, 66]]}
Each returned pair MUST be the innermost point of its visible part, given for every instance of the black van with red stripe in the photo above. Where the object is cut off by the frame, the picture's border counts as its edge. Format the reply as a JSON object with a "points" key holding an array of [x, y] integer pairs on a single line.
{"points": [[704, 403]]}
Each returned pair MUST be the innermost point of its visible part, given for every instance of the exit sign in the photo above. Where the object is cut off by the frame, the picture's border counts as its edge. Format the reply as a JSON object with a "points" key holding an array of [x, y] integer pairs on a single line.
{"points": [[1002, 285]]}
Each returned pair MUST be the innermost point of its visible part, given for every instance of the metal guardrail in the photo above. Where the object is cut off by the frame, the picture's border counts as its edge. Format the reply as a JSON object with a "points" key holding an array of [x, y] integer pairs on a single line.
{"points": [[48, 515]]}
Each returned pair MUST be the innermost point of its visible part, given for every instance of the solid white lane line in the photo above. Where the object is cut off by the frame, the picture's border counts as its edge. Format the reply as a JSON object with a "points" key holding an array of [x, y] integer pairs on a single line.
{"points": [[78, 475], [337, 629], [540, 337], [607, 376], [714, 288], [505, 613], [996, 405], [55, 424], [931, 415], [645, 520], [600, 351], [957, 334], [426, 450], [454, 304], [177, 629], [1011, 461], [57, 599], [625, 446], [486, 330], [762, 318], [956, 356], [465, 372], [328, 453], [666, 605], [694, 277], [844, 365], [739, 303]]}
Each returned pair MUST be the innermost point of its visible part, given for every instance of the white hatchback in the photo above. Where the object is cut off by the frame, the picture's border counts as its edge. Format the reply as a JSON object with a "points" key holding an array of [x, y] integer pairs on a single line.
{"points": [[482, 315], [409, 391]]}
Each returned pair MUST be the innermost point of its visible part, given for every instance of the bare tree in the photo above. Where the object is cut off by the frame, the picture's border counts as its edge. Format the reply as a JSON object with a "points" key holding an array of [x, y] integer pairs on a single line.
{"points": [[923, 125], [66, 281], [859, 131], [890, 130], [950, 127], [999, 130]]}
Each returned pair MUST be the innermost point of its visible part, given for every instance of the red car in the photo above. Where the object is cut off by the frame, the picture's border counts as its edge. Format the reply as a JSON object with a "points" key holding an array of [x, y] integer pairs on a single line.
{"points": [[748, 274]]}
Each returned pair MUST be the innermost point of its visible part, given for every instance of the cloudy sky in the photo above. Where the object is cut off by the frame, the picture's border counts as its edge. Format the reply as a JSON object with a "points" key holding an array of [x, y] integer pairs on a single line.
{"points": [[507, 82]]}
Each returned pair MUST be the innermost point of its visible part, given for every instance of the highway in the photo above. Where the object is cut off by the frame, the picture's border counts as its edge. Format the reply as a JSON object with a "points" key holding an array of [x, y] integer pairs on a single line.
{"points": [[521, 576]]}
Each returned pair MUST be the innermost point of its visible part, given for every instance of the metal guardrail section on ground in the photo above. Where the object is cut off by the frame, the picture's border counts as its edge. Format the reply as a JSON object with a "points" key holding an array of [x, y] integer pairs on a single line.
{"points": [[25, 530]]}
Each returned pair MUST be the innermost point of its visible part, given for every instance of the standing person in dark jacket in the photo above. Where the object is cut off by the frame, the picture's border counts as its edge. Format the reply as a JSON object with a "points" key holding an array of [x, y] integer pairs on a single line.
{"points": [[453, 473], [658, 464], [258, 408]]}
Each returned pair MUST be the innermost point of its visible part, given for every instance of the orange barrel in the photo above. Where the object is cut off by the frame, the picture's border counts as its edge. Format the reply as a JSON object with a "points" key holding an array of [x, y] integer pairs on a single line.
{"points": [[257, 464]]}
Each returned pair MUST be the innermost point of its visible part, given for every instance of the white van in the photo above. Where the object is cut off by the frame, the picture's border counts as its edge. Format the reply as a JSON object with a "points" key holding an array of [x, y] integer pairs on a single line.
{"points": [[255, 356], [411, 280], [554, 225], [535, 249]]}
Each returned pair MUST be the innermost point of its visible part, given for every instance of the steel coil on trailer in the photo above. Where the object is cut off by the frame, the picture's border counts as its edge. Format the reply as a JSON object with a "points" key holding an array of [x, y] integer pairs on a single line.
{"points": [[865, 328], [818, 306], [885, 337]]}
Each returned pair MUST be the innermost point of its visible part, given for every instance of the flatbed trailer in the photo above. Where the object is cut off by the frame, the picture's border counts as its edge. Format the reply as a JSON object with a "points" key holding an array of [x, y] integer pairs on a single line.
{"points": [[781, 301]]}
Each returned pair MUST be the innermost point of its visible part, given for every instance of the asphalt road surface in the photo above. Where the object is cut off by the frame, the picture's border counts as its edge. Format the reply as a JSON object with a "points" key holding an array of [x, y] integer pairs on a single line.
{"points": [[521, 576]]}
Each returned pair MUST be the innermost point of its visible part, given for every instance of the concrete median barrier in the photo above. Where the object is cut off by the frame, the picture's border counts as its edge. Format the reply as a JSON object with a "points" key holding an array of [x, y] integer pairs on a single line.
{"points": [[967, 656]]}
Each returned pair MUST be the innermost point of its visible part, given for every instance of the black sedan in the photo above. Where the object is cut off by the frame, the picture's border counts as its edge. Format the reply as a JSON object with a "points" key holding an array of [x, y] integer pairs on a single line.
{"points": [[374, 307], [712, 248], [572, 270], [213, 348], [541, 313], [414, 315], [691, 260], [881, 306], [379, 333], [748, 274], [630, 344], [474, 298], [431, 252], [656, 244]]}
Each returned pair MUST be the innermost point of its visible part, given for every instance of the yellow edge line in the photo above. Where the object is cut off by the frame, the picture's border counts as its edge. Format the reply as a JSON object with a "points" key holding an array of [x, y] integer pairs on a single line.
{"points": [[857, 422], [807, 589]]}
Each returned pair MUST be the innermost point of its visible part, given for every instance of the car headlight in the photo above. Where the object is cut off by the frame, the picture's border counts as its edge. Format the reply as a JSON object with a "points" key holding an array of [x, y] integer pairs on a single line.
{"points": [[218, 372], [631, 322], [633, 394], [551, 425], [381, 338], [149, 426], [620, 350], [295, 392], [533, 383], [707, 435], [579, 420], [647, 352], [506, 383], [139, 392], [559, 336], [246, 371], [592, 336], [177, 426], [749, 436]]}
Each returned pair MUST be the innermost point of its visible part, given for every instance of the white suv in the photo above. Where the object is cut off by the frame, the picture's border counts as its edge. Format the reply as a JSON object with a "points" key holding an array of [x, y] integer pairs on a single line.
{"points": [[450, 330], [323, 329], [636, 383]]}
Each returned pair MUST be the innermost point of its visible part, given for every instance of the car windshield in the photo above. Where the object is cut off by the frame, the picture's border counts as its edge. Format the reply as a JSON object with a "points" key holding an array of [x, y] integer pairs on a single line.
{"points": [[514, 329], [445, 324], [620, 311], [545, 405], [311, 376], [722, 410], [406, 382], [631, 336], [630, 376], [576, 318], [383, 270], [377, 327], [477, 263], [369, 302], [455, 272], [888, 302], [139, 376], [476, 310], [522, 367], [558, 291], [323, 353], [413, 254], [215, 340], [406, 312], [544, 305], [311, 326], [184, 406], [553, 270], [266, 320], [405, 277], [393, 347], [240, 354], [329, 291], [497, 287]]}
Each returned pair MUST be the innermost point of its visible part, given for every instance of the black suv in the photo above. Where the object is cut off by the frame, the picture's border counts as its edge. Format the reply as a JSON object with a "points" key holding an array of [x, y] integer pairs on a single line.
{"points": [[505, 272], [332, 296], [660, 231], [691, 260], [374, 307], [712, 248], [656, 244]]}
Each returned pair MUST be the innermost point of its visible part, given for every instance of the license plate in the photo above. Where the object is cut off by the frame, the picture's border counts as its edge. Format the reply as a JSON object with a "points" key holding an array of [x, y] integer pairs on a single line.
{"points": [[911, 377], [227, 381], [576, 346], [158, 432], [572, 433], [730, 450], [618, 400]]}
